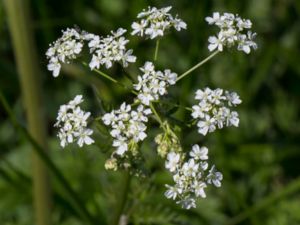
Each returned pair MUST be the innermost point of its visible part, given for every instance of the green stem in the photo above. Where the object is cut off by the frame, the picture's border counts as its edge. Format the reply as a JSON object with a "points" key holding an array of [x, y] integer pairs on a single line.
{"points": [[122, 200], [197, 65], [40, 152], [156, 49], [157, 116], [20, 26], [106, 76], [266, 202]]}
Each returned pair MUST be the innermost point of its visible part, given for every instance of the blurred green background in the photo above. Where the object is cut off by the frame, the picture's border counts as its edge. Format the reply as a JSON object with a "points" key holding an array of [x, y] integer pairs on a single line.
{"points": [[259, 160]]}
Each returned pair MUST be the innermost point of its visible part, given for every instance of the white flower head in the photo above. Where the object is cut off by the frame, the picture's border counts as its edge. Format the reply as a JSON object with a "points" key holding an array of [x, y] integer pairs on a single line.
{"points": [[64, 49], [213, 109], [190, 176], [153, 84], [155, 22], [107, 50], [128, 127], [234, 31], [72, 121]]}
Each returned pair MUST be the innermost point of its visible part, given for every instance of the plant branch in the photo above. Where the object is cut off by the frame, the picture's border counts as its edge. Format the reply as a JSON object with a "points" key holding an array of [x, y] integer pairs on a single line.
{"points": [[106, 76], [197, 65], [156, 50], [157, 116]]}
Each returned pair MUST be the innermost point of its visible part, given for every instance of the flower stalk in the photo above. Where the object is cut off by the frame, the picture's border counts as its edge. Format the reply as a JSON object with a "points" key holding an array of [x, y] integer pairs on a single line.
{"points": [[156, 49], [197, 65]]}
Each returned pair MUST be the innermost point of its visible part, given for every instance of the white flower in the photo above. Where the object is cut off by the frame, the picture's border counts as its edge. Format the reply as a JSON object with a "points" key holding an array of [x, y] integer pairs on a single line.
{"points": [[199, 189], [95, 62], [155, 30], [216, 42], [139, 28], [187, 203], [214, 19], [203, 95], [54, 66], [197, 112], [146, 98], [243, 24], [203, 165], [170, 77], [233, 119], [214, 177], [128, 58], [84, 137], [172, 192], [172, 161], [199, 153], [179, 24], [216, 96], [109, 118], [207, 125], [141, 113], [136, 130], [121, 144], [233, 98], [190, 168]]}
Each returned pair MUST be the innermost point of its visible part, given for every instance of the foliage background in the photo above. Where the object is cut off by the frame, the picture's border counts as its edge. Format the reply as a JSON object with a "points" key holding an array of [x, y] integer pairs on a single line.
{"points": [[259, 160]]}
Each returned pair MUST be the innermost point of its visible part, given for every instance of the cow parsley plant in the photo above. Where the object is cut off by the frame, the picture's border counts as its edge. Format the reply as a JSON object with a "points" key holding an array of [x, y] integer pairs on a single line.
{"points": [[128, 125]]}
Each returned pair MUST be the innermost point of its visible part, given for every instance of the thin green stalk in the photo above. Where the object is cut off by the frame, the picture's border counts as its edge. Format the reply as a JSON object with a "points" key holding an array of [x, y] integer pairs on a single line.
{"points": [[197, 65], [40, 152], [19, 22], [106, 76], [122, 199], [266, 202], [157, 116], [156, 50]]}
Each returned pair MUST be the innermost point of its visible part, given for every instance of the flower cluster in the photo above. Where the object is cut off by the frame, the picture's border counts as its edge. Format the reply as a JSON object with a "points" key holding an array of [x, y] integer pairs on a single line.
{"points": [[190, 176], [109, 49], [212, 112], [154, 22], [128, 127], [72, 121], [232, 32], [153, 83], [64, 49], [104, 50]]}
